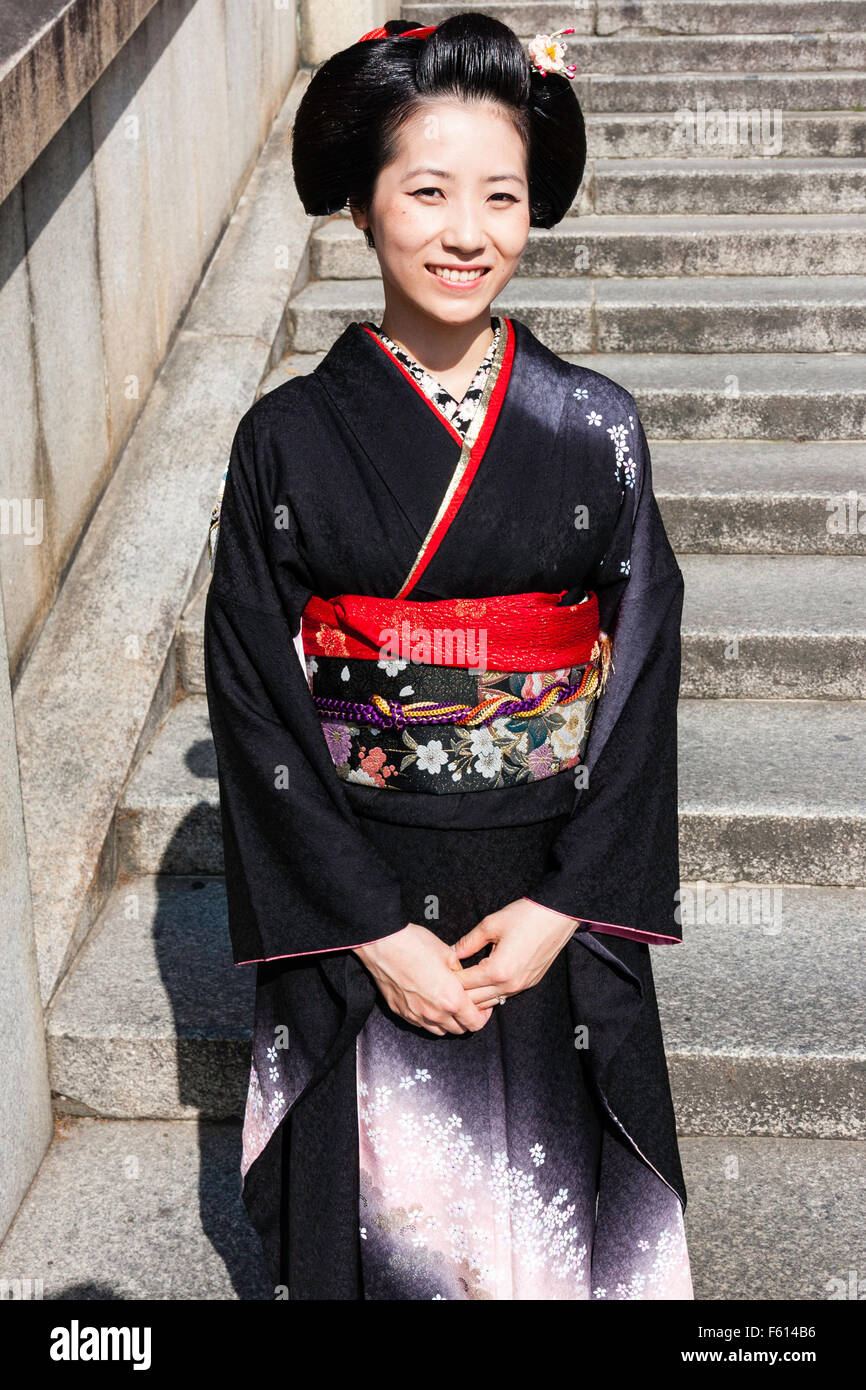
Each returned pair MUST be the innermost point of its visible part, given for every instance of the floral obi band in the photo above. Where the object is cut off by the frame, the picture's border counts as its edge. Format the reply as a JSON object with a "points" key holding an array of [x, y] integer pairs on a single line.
{"points": [[454, 695]]}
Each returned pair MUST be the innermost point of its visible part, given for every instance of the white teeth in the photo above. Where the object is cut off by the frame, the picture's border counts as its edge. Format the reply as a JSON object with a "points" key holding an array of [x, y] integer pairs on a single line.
{"points": [[445, 273]]}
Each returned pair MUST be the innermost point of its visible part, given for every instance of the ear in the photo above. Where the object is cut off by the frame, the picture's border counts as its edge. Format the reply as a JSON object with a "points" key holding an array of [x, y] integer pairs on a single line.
{"points": [[359, 218]]}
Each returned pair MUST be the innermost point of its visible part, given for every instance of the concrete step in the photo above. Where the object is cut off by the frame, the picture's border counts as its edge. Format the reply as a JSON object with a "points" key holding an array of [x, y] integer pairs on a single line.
{"points": [[647, 134], [151, 1209], [765, 92], [702, 314], [729, 54], [635, 246], [777, 626], [721, 398], [646, 18], [142, 1209], [761, 496], [167, 1036], [785, 1056], [718, 185], [769, 792]]}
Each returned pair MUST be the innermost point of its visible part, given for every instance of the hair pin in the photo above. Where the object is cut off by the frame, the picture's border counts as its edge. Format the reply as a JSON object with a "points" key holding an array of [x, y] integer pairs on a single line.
{"points": [[547, 54], [382, 33]]}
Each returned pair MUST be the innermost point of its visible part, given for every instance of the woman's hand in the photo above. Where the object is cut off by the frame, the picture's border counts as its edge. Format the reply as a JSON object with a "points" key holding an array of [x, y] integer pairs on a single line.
{"points": [[419, 978], [526, 938]]}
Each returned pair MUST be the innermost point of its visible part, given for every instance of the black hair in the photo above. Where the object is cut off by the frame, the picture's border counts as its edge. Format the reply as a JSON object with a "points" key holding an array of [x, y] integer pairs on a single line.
{"points": [[347, 120]]}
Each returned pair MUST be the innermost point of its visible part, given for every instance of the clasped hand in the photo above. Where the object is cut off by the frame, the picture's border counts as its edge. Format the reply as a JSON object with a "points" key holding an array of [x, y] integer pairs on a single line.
{"points": [[425, 982]]}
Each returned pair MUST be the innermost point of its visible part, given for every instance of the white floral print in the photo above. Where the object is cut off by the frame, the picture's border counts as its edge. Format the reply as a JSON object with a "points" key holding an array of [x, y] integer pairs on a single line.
{"points": [[486, 1216], [459, 413]]}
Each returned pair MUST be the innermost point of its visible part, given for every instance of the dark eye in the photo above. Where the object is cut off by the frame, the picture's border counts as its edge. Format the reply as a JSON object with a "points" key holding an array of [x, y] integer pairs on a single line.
{"points": [[509, 196], [425, 190]]}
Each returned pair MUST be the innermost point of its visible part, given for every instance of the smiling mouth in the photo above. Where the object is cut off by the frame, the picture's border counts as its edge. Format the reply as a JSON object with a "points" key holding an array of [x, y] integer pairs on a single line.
{"points": [[458, 277]]}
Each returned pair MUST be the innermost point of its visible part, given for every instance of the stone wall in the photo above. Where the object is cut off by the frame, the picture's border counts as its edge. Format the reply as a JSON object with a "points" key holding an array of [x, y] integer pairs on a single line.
{"points": [[104, 238]]}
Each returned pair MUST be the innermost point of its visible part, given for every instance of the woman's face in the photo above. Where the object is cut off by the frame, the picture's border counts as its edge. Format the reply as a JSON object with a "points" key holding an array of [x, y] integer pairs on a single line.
{"points": [[456, 195]]}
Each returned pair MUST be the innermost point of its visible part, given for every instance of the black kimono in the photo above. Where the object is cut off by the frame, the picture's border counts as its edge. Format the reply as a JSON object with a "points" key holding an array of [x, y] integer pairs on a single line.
{"points": [[536, 1158]]}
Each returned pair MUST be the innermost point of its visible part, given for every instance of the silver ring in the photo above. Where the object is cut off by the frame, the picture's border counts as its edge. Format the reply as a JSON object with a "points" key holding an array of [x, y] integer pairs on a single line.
{"points": [[501, 999]]}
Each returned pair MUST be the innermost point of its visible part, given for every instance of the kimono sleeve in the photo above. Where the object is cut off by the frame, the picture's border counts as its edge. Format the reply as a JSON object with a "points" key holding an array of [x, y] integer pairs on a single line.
{"points": [[615, 864], [301, 876]]}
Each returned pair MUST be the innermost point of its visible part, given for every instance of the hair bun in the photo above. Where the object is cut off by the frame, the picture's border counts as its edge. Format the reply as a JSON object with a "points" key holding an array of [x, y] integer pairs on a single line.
{"points": [[346, 125]]}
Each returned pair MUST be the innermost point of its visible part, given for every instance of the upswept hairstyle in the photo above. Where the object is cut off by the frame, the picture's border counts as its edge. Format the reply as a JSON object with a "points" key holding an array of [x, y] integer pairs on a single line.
{"points": [[347, 120]]}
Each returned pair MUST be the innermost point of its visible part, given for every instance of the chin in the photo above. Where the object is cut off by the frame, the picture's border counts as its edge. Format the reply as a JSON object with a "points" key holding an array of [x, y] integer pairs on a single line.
{"points": [[455, 308]]}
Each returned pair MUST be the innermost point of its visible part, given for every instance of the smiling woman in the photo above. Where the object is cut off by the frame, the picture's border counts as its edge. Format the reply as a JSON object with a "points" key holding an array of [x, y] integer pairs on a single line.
{"points": [[456, 799]]}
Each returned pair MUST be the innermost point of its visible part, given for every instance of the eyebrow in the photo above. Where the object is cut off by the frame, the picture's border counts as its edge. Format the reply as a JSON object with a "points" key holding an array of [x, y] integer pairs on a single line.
{"points": [[444, 174]]}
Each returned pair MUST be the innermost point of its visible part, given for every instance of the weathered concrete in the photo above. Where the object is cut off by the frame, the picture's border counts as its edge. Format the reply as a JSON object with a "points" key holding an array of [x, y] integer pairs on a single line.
{"points": [[719, 185], [755, 396], [647, 134], [771, 627], [762, 496], [51, 53], [168, 1034], [671, 17], [729, 91], [106, 233], [143, 1209], [86, 695], [25, 1104], [771, 790], [774, 1218], [149, 1209], [325, 29], [761, 1007]]}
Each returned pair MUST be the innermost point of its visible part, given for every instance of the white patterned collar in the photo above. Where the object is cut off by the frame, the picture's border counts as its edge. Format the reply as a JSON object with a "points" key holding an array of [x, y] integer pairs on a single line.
{"points": [[459, 413]]}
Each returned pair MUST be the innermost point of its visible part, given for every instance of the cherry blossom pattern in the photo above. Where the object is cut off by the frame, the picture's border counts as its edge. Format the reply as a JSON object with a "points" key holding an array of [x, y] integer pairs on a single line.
{"points": [[625, 464], [444, 1206], [664, 1271]]}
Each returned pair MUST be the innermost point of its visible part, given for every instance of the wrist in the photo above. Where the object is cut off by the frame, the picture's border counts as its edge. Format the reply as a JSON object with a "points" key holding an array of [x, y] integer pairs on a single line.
{"points": [[554, 912], [368, 951]]}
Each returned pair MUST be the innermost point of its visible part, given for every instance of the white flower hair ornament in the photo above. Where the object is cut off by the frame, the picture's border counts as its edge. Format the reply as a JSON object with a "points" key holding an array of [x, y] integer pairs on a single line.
{"points": [[547, 54]]}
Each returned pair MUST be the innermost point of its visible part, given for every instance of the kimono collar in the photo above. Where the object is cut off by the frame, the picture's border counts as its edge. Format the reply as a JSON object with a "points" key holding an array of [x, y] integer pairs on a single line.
{"points": [[405, 438]]}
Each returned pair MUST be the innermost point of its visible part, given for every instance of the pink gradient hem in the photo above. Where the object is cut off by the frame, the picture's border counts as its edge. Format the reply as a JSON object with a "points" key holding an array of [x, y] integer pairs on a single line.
{"points": [[613, 928], [320, 951]]}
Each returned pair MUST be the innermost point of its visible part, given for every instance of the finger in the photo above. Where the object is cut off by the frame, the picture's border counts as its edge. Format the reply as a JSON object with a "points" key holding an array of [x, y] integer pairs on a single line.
{"points": [[473, 941], [469, 1014], [442, 1021], [471, 1025], [474, 976], [485, 996]]}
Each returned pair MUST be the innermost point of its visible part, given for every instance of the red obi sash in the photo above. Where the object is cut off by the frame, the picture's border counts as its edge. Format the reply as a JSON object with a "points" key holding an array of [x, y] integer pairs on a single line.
{"points": [[508, 632]]}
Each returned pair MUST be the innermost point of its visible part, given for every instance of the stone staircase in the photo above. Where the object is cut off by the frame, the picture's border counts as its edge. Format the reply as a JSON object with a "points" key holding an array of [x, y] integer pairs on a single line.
{"points": [[725, 286]]}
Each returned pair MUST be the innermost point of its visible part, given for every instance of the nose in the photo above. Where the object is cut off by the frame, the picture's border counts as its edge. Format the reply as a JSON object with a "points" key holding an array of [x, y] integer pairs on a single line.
{"points": [[463, 232]]}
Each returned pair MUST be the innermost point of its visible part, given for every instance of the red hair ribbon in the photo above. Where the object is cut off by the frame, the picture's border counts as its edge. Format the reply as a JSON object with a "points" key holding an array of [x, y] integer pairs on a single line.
{"points": [[381, 33]]}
